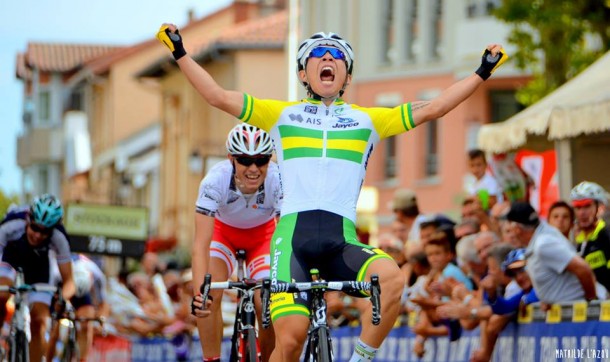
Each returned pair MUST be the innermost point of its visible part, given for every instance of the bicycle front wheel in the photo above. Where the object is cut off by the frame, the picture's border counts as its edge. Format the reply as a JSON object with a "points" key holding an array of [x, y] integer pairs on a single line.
{"points": [[323, 351], [19, 348], [69, 352], [250, 350]]}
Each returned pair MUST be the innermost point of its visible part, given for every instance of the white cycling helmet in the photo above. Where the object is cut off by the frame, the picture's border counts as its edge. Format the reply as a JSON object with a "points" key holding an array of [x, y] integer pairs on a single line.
{"points": [[83, 279], [245, 139], [588, 191], [321, 39]]}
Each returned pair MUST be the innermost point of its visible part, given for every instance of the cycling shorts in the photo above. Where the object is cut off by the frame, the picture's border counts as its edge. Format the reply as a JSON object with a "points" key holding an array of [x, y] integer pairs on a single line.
{"points": [[226, 240], [316, 239], [83, 301]]}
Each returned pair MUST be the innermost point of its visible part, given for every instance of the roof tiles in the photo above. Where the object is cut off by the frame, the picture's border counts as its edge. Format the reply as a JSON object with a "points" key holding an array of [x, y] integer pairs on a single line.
{"points": [[57, 57]]}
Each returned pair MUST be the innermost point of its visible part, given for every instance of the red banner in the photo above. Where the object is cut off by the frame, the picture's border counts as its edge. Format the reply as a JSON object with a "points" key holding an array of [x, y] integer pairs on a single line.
{"points": [[110, 348]]}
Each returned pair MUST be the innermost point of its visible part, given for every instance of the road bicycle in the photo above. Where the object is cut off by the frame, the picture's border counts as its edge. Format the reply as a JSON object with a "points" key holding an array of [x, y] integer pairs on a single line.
{"points": [[20, 334], [319, 343], [68, 318], [245, 346]]}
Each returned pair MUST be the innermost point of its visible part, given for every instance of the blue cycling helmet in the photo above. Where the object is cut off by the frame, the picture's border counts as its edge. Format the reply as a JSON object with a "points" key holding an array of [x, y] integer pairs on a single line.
{"points": [[46, 210], [514, 260]]}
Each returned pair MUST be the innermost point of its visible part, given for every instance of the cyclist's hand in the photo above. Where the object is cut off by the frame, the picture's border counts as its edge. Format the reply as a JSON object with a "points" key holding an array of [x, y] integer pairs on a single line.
{"points": [[197, 308], [169, 36], [58, 307], [493, 57]]}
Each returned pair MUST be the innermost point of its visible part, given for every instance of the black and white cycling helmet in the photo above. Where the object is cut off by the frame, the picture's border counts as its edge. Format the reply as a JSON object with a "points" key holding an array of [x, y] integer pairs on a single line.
{"points": [[245, 139], [325, 39], [587, 190]]}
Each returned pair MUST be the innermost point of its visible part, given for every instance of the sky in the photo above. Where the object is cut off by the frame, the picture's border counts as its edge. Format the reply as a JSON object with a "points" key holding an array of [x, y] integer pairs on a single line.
{"points": [[113, 22]]}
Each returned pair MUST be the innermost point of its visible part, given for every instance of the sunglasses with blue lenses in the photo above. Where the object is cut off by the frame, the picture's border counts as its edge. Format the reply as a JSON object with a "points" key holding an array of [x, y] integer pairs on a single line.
{"points": [[248, 161], [318, 52]]}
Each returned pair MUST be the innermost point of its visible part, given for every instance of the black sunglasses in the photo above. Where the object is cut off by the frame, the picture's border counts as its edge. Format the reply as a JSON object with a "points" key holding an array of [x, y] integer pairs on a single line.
{"points": [[248, 161], [40, 229], [511, 273]]}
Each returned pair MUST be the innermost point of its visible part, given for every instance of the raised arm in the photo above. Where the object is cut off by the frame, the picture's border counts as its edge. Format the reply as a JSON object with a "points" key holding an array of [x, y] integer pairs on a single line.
{"points": [[218, 97], [493, 57]]}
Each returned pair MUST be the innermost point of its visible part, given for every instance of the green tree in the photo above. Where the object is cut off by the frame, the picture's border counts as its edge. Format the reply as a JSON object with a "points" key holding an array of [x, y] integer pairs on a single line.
{"points": [[555, 39], [6, 201]]}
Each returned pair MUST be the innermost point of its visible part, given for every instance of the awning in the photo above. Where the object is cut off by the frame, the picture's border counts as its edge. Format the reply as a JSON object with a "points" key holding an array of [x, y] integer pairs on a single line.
{"points": [[582, 105]]}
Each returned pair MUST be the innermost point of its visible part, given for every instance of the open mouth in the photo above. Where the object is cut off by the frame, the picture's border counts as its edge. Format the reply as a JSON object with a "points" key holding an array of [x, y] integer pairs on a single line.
{"points": [[252, 177], [327, 74]]}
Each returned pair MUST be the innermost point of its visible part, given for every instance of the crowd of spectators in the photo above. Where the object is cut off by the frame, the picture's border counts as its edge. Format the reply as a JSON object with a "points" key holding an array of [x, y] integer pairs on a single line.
{"points": [[481, 271], [499, 257]]}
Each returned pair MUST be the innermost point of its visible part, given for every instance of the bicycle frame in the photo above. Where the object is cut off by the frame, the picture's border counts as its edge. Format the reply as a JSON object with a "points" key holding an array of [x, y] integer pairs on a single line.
{"points": [[319, 344], [71, 350], [318, 330], [244, 341], [245, 317]]}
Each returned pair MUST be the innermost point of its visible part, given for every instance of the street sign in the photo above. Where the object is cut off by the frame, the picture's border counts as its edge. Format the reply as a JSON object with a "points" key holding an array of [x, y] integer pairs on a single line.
{"points": [[106, 229]]}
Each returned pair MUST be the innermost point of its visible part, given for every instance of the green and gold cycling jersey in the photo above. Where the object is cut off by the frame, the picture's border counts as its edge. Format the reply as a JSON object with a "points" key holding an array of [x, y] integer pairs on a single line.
{"points": [[322, 150]]}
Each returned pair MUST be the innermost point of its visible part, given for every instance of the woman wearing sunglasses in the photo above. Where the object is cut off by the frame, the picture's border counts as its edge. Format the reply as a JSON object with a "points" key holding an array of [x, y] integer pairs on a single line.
{"points": [[238, 202], [25, 243], [323, 145]]}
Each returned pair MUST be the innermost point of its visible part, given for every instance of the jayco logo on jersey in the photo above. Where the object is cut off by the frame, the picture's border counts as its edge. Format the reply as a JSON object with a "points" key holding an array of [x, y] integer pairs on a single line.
{"points": [[345, 123], [311, 109]]}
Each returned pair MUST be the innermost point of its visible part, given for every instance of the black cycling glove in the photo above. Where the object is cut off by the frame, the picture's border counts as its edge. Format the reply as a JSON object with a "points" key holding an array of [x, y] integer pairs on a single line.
{"points": [[490, 63], [173, 41]]}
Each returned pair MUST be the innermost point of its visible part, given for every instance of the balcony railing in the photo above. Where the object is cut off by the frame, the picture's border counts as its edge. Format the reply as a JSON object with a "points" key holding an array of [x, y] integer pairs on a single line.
{"points": [[40, 145]]}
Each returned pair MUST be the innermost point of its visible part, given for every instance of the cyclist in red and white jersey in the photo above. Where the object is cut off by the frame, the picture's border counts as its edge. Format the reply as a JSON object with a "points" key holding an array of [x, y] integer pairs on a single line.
{"points": [[238, 202]]}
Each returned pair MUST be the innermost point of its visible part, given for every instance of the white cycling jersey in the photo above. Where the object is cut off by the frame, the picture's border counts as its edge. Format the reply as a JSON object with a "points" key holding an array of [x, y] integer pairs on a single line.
{"points": [[219, 197]]}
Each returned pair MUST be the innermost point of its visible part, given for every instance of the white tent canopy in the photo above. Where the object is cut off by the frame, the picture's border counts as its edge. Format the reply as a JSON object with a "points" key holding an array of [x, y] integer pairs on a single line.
{"points": [[582, 105]]}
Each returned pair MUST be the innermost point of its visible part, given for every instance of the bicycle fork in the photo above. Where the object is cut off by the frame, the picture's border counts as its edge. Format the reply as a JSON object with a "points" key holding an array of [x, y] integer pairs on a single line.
{"points": [[248, 322]]}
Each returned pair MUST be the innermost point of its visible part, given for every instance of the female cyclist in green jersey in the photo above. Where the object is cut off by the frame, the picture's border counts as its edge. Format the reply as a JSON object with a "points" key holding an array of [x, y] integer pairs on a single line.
{"points": [[323, 145]]}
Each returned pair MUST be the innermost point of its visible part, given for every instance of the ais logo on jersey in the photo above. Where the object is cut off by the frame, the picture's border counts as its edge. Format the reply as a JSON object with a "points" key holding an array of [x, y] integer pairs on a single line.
{"points": [[345, 123]]}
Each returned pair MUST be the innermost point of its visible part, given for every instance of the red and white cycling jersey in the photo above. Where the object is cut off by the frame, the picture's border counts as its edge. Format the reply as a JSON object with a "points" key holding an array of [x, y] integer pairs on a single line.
{"points": [[219, 197], [241, 221]]}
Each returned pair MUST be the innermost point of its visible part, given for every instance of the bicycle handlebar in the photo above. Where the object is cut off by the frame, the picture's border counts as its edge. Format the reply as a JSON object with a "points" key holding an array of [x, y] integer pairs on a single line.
{"points": [[25, 288], [372, 287]]}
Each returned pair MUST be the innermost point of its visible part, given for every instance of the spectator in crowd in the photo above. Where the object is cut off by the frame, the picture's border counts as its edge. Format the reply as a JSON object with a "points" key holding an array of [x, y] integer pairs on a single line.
{"points": [[504, 309], [485, 187], [151, 264], [439, 255], [468, 259], [593, 236], [561, 216], [468, 226], [393, 246], [472, 208], [400, 230], [557, 272], [404, 206], [483, 243]]}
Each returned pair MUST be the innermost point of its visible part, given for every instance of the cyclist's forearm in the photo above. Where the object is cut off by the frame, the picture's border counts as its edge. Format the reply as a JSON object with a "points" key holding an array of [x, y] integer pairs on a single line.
{"points": [[228, 101], [446, 101]]}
